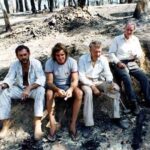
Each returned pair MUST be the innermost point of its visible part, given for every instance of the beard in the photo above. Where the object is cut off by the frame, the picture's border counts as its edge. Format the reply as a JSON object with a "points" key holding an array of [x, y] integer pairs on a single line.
{"points": [[24, 61]]}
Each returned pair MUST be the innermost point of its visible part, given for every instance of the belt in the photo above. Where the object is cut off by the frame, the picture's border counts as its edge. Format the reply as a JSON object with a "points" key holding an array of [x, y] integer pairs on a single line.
{"points": [[93, 79]]}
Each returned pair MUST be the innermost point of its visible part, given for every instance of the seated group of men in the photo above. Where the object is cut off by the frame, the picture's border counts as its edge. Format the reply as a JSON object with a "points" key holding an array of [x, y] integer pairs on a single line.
{"points": [[66, 81]]}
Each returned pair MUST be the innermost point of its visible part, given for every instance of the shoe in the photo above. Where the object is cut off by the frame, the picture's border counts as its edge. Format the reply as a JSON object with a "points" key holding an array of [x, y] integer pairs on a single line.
{"points": [[147, 104], [124, 124], [135, 109], [74, 136], [51, 138], [87, 131]]}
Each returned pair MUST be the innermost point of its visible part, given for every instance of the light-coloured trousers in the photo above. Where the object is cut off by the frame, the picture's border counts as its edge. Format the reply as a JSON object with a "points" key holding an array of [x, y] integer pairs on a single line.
{"points": [[111, 96], [15, 92]]}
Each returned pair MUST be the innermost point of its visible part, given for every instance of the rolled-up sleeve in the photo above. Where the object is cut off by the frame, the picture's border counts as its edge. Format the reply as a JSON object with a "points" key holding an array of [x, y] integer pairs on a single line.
{"points": [[10, 77], [107, 72], [82, 73], [112, 52], [139, 52]]}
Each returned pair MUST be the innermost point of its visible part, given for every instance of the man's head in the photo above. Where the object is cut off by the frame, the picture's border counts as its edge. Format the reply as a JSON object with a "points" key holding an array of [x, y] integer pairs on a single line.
{"points": [[23, 53], [59, 53], [95, 50], [129, 29]]}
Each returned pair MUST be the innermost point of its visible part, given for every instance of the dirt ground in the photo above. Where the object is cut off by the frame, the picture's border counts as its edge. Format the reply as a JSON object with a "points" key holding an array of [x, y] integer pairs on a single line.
{"points": [[75, 28]]}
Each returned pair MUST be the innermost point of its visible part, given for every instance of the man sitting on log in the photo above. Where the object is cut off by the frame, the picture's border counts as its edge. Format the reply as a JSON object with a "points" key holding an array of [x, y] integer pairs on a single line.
{"points": [[124, 51], [62, 81], [25, 79], [96, 79]]}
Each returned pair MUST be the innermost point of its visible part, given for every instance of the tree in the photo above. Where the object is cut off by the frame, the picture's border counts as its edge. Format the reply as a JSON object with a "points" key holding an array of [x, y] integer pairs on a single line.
{"points": [[6, 18], [6, 5], [39, 4], [33, 8], [21, 5], [27, 5], [81, 3], [51, 5], [142, 8]]}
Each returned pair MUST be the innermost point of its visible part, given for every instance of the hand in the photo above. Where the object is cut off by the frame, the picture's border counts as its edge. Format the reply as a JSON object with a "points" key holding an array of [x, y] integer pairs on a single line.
{"points": [[121, 65], [60, 93], [110, 86], [95, 90], [68, 93], [26, 93], [3, 86]]}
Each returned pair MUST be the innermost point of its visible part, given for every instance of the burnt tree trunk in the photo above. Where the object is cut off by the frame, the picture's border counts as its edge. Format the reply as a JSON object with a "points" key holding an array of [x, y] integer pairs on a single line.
{"points": [[142, 8], [26, 5], [64, 3], [51, 5], [33, 8], [5, 15], [7, 22], [21, 6], [81, 3], [7, 6], [17, 6], [39, 4]]}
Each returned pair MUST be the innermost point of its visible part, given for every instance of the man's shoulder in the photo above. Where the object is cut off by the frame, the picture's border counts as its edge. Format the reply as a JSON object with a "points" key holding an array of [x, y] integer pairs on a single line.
{"points": [[49, 60], [84, 56], [103, 58], [118, 37], [135, 37], [15, 63], [34, 60], [70, 59]]}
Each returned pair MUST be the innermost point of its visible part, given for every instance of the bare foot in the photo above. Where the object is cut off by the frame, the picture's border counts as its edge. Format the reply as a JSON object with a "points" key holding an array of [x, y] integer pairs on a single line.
{"points": [[38, 134], [3, 133], [6, 124]]}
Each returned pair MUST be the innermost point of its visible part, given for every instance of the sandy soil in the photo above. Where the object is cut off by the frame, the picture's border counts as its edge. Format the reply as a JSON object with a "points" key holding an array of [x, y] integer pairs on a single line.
{"points": [[75, 28]]}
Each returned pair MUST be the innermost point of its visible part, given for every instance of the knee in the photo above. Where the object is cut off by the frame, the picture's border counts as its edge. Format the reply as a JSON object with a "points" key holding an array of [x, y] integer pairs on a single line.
{"points": [[87, 91], [49, 95], [126, 77], [78, 93], [40, 90]]}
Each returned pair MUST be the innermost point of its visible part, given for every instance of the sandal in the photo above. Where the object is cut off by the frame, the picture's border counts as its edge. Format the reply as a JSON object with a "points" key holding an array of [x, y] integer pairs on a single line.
{"points": [[74, 136], [51, 138]]}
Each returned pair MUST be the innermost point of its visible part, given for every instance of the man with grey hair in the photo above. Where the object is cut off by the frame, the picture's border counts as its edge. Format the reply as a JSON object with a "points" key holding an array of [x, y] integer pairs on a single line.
{"points": [[124, 51], [96, 79]]}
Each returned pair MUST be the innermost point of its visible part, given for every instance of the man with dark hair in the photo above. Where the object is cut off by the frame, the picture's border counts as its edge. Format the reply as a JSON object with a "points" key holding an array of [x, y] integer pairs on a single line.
{"points": [[25, 79], [96, 79], [62, 81], [124, 51]]}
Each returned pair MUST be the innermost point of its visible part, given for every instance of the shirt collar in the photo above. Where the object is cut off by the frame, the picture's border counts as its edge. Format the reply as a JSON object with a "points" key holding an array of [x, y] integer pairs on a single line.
{"points": [[123, 37], [89, 58]]}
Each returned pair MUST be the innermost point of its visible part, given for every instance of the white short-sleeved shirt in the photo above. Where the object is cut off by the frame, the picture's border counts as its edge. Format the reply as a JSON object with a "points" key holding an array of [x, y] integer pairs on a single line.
{"points": [[61, 73]]}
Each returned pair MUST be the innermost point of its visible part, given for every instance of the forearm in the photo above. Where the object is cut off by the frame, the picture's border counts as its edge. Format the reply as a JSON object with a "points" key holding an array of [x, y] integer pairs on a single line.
{"points": [[53, 87], [33, 86], [73, 85]]}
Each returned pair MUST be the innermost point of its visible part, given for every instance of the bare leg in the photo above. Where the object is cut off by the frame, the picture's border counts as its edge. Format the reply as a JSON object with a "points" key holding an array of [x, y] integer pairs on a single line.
{"points": [[76, 108], [50, 98], [6, 124], [37, 128]]}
